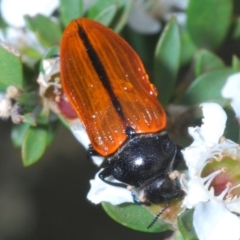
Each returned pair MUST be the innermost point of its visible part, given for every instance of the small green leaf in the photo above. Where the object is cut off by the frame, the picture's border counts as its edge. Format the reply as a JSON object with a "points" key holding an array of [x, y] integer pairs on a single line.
{"points": [[178, 235], [236, 64], [34, 144], [207, 88], [166, 63], [10, 70], [31, 53], [207, 61], [70, 10], [52, 51], [185, 225], [29, 119], [111, 13], [135, 217], [188, 48], [106, 16], [99, 6], [122, 15], [46, 30], [18, 132], [28, 101], [208, 21]]}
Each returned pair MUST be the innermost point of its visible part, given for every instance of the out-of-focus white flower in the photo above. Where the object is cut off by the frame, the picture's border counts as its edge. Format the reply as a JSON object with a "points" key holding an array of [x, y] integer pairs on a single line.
{"points": [[21, 38], [231, 90], [211, 189], [50, 68], [13, 11], [146, 14], [103, 192], [7, 107], [80, 134]]}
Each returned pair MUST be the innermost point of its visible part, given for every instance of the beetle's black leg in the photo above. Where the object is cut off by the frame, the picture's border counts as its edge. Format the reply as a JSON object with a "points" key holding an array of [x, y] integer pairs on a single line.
{"points": [[137, 200], [106, 172], [130, 132], [91, 152], [157, 216], [55, 56]]}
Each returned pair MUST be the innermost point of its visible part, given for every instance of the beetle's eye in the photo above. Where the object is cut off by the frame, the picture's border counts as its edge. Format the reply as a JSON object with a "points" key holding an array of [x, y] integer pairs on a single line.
{"points": [[167, 146]]}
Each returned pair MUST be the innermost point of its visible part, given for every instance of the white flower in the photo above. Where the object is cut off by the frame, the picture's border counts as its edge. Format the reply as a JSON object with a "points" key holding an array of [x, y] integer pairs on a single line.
{"points": [[5, 106], [145, 15], [13, 11], [80, 134], [231, 91], [214, 204], [103, 192], [50, 68]]}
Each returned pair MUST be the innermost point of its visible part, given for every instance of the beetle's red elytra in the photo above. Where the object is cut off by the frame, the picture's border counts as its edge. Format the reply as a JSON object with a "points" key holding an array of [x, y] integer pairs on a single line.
{"points": [[106, 83]]}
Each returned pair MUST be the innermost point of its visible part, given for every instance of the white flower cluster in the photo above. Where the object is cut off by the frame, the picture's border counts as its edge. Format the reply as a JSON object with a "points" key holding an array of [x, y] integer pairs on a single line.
{"points": [[214, 216]]}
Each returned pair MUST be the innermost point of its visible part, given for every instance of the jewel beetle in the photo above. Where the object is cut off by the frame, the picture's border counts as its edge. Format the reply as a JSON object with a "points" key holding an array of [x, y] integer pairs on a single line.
{"points": [[108, 87]]}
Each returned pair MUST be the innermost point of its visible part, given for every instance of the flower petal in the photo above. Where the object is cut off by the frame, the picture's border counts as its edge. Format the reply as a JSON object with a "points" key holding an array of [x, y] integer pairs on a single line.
{"points": [[103, 192], [212, 221], [80, 134], [141, 21], [14, 10], [214, 122], [231, 90], [196, 193]]}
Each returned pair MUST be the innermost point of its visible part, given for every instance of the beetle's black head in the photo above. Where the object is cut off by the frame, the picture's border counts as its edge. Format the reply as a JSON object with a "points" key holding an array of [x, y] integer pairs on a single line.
{"points": [[163, 189]]}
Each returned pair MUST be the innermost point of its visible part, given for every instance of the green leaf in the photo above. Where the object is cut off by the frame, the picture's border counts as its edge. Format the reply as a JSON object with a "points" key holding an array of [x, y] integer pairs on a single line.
{"points": [[208, 21], [47, 31], [111, 13], [10, 70], [122, 15], [135, 217], [188, 48], [70, 10], [207, 88], [52, 51], [236, 64], [18, 132], [185, 225], [106, 15], [178, 235], [28, 101], [207, 61], [166, 62], [29, 119], [34, 144], [31, 53]]}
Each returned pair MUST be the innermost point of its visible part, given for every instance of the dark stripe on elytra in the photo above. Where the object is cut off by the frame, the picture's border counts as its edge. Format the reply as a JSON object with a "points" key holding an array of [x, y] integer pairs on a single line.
{"points": [[96, 62]]}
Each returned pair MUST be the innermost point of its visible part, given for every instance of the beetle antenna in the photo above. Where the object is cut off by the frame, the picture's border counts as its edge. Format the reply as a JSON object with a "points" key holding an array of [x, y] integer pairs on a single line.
{"points": [[158, 215]]}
